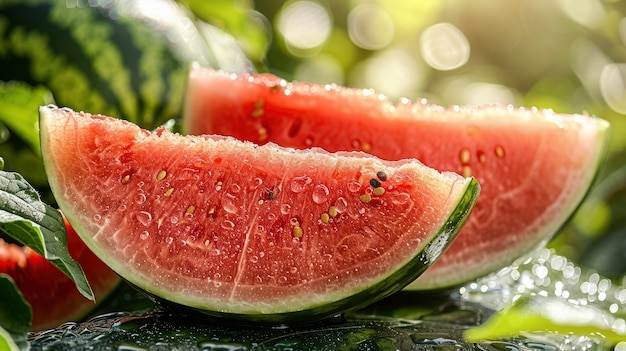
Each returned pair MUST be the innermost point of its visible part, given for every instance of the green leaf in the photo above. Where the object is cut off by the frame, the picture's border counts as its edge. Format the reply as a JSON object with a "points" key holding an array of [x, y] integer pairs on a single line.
{"points": [[15, 315], [251, 29], [6, 341], [19, 103], [28, 220]]}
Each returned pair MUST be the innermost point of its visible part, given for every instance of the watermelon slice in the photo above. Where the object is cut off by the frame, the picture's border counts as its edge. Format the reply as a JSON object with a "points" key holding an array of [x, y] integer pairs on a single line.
{"points": [[55, 299], [534, 166], [259, 233]]}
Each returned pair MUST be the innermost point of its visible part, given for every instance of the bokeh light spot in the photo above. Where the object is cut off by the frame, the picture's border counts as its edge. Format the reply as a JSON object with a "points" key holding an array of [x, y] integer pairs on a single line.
{"points": [[589, 13], [444, 47], [393, 72], [370, 26], [304, 25], [321, 69], [622, 30], [613, 86]]}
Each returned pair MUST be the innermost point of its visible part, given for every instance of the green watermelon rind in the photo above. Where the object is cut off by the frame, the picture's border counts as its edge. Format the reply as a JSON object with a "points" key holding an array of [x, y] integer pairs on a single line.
{"points": [[318, 309]]}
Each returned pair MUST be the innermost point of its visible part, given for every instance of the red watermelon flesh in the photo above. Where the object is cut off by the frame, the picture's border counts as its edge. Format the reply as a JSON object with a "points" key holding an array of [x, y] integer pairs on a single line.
{"points": [[53, 296], [534, 166], [245, 231]]}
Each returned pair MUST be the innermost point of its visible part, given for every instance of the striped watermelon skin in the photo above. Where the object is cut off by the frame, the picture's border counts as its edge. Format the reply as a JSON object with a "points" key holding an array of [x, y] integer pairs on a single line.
{"points": [[116, 58]]}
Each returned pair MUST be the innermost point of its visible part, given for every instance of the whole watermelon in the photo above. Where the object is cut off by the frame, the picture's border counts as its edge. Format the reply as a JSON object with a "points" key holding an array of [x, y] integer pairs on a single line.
{"points": [[124, 58]]}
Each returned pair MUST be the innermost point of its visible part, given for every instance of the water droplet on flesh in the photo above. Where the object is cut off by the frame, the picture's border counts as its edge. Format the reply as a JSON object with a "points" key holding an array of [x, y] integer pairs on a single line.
{"points": [[140, 198], [228, 204], [354, 186], [144, 218], [320, 193], [341, 205], [400, 198], [229, 225], [285, 209], [144, 235], [298, 184]]}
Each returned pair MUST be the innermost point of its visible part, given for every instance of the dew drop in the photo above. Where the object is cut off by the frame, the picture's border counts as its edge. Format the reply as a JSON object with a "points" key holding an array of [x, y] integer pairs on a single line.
{"points": [[293, 269], [140, 198], [144, 218], [261, 254], [354, 186], [229, 225], [254, 259], [235, 188], [122, 207], [399, 198], [320, 193], [260, 229], [282, 279], [174, 219], [341, 205], [97, 217], [298, 184], [144, 235], [256, 182], [285, 209], [228, 204], [169, 240]]}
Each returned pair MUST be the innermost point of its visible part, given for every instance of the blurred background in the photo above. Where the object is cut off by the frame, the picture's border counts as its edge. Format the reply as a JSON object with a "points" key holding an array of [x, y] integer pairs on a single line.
{"points": [[569, 56]]}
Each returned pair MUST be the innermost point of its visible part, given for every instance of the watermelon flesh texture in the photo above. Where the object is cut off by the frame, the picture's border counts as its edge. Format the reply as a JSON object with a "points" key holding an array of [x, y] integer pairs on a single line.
{"points": [[534, 166], [261, 233]]}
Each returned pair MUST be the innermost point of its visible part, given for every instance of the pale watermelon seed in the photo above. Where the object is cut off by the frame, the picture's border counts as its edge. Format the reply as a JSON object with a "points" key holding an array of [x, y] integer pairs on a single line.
{"points": [[466, 171], [365, 198], [262, 134], [161, 175], [499, 150], [168, 192], [332, 211], [464, 156], [297, 232], [378, 191], [481, 156], [189, 211], [125, 179], [325, 217]]}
